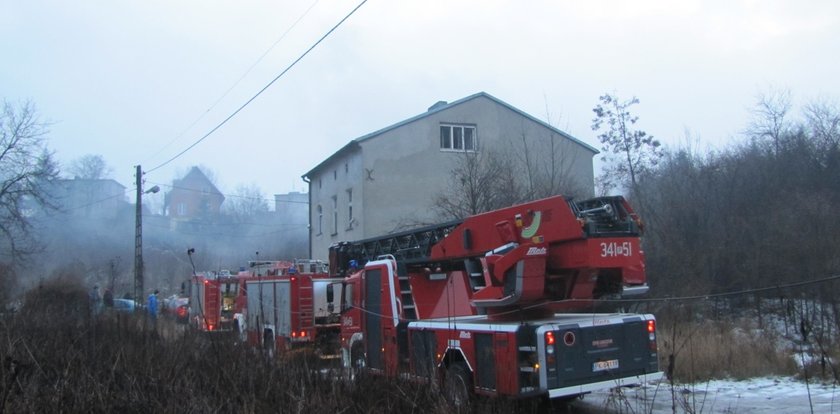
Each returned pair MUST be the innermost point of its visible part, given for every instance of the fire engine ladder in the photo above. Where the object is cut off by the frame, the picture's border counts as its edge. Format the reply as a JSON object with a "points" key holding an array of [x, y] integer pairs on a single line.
{"points": [[212, 308], [409, 314], [306, 307], [406, 296], [475, 270], [411, 246]]}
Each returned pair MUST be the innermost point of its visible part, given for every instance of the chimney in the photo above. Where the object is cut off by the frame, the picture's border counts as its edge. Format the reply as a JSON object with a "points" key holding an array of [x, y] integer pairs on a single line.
{"points": [[437, 105]]}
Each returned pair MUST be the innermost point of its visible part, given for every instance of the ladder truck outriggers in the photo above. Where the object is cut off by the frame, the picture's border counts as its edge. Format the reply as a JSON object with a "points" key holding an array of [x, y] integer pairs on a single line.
{"points": [[507, 303]]}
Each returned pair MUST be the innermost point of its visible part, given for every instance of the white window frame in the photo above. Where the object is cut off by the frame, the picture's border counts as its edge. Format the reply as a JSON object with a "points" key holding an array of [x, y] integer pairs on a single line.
{"points": [[335, 215], [349, 209], [454, 139], [320, 211]]}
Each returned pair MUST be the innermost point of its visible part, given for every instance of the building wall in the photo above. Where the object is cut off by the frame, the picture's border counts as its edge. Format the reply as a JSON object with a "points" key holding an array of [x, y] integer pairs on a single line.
{"points": [[331, 191], [292, 211], [402, 170], [194, 196], [90, 198]]}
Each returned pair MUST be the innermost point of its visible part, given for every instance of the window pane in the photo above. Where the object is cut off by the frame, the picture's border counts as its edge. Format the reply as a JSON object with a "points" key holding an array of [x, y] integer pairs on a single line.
{"points": [[469, 144], [445, 137], [457, 140]]}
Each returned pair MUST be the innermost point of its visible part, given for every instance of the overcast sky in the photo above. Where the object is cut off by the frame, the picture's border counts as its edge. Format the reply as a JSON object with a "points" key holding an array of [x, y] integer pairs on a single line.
{"points": [[139, 81]]}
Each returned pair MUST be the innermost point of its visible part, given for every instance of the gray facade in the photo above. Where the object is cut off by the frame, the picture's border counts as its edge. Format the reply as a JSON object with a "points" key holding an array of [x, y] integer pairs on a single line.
{"points": [[99, 199], [389, 180]]}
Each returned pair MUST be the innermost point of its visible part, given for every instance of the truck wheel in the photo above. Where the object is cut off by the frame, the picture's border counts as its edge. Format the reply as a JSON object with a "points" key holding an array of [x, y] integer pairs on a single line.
{"points": [[458, 385], [268, 343], [357, 357]]}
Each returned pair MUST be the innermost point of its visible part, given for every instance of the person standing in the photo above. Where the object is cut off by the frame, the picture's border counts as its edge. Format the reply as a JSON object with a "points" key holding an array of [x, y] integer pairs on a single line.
{"points": [[108, 298], [95, 300], [152, 307]]}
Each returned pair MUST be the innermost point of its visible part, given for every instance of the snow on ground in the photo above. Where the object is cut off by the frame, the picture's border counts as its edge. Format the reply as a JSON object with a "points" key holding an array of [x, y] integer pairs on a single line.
{"points": [[758, 395]]}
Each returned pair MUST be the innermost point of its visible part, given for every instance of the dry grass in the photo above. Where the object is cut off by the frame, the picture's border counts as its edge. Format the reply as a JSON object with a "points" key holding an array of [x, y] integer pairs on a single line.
{"points": [[708, 349], [57, 357]]}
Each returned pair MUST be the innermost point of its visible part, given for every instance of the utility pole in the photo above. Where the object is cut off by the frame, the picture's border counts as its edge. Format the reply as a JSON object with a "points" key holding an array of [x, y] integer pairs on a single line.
{"points": [[138, 239], [138, 235]]}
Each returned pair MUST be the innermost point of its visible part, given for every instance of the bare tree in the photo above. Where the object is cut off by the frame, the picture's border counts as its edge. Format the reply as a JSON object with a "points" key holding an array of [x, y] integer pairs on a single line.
{"points": [[9, 281], [246, 201], [89, 167], [769, 117], [480, 182], [548, 169], [823, 121], [628, 151], [26, 168]]}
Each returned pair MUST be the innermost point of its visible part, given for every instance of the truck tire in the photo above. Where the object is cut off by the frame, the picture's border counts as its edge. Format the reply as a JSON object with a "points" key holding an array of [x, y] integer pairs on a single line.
{"points": [[268, 343], [457, 386], [357, 356], [358, 361]]}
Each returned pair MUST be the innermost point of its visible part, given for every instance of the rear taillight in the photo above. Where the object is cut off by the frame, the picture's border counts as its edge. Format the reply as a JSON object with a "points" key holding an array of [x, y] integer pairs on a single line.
{"points": [[651, 328], [549, 338], [210, 327]]}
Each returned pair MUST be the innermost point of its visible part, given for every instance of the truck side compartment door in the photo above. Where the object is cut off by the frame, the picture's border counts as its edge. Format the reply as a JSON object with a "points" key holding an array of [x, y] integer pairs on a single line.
{"points": [[373, 317]]}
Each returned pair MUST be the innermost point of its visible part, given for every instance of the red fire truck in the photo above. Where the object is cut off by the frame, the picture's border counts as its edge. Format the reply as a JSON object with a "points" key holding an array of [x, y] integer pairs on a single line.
{"points": [[505, 303], [292, 305], [213, 297]]}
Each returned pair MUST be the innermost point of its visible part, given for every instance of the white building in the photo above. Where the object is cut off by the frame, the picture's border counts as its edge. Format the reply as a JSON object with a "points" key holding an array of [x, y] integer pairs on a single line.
{"points": [[384, 181]]}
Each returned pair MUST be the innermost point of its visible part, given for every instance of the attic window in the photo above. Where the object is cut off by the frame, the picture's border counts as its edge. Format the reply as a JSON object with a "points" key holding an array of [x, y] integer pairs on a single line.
{"points": [[458, 138]]}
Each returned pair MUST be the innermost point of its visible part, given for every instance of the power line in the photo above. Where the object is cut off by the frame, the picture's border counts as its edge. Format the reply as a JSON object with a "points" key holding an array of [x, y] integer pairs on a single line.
{"points": [[238, 81], [708, 296], [261, 90], [285, 228], [230, 195], [663, 299], [102, 200]]}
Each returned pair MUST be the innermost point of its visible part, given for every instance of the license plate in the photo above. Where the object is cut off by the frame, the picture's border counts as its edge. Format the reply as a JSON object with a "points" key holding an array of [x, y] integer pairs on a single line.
{"points": [[604, 365]]}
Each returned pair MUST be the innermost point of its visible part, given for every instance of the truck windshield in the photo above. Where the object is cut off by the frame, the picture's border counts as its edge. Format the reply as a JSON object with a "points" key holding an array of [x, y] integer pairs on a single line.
{"points": [[346, 296]]}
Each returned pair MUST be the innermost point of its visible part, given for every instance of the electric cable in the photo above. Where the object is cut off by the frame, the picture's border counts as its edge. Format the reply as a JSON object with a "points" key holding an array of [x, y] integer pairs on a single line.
{"points": [[238, 81], [662, 299], [102, 200], [230, 195], [225, 121]]}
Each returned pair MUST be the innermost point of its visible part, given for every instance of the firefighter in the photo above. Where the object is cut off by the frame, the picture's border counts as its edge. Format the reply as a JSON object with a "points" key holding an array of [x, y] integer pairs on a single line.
{"points": [[153, 306]]}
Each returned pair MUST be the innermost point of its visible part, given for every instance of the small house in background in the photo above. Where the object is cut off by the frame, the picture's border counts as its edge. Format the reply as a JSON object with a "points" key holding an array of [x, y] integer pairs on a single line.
{"points": [[193, 196], [95, 199], [293, 208]]}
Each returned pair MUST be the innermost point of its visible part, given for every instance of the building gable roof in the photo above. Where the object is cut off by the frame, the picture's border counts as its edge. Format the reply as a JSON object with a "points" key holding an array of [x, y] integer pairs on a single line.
{"points": [[100, 182], [195, 174], [439, 107]]}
